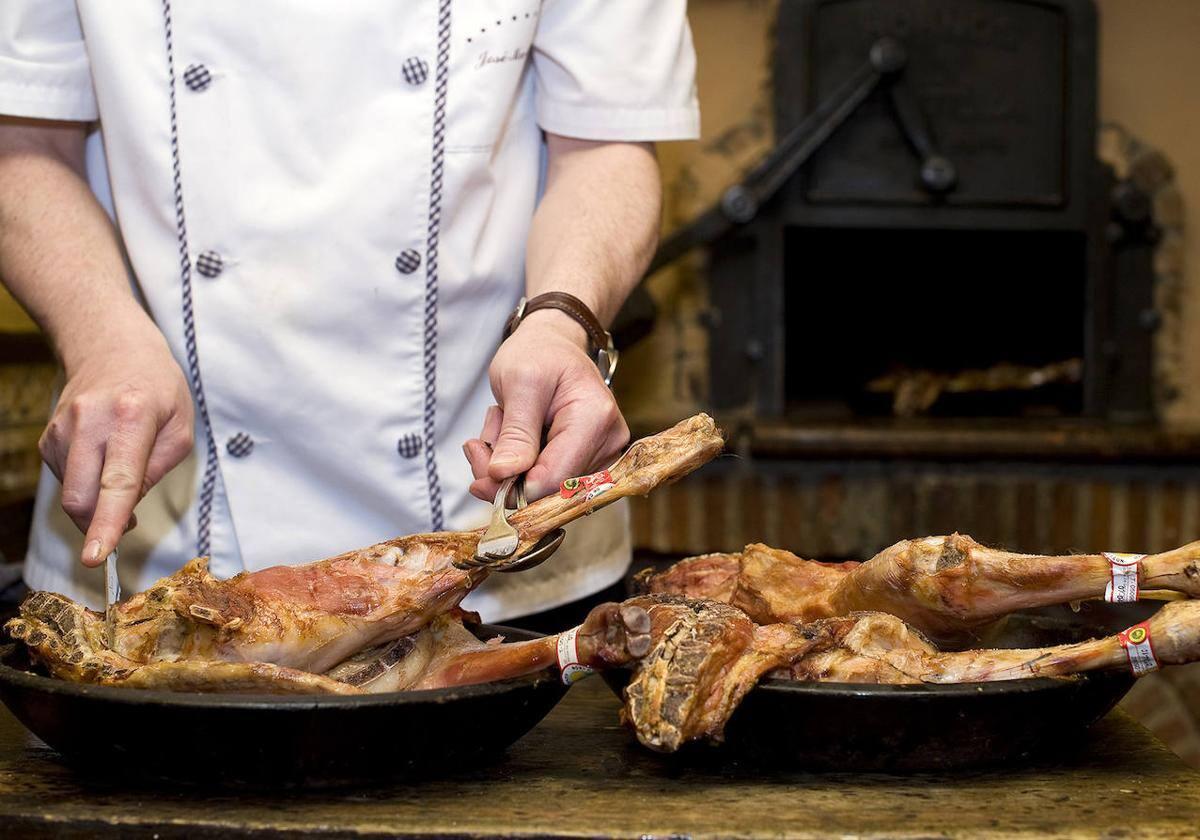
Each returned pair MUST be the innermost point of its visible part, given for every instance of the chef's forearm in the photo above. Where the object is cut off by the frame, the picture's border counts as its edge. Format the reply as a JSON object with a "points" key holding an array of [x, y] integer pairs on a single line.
{"points": [[596, 227], [59, 252]]}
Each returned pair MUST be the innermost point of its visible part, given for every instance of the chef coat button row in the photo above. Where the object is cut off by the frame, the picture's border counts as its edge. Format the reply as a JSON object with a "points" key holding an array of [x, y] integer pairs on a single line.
{"points": [[408, 261], [416, 71], [409, 446], [197, 77], [210, 263], [240, 445]]}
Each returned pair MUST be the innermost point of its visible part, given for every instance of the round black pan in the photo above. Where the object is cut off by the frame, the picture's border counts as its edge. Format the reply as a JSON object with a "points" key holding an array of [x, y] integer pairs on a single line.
{"points": [[275, 741], [849, 727]]}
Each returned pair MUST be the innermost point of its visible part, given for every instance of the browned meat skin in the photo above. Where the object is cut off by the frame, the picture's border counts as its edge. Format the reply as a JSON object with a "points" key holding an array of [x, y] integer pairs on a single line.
{"points": [[705, 656], [768, 584], [314, 616], [880, 648], [612, 635], [445, 653], [947, 587], [71, 642]]}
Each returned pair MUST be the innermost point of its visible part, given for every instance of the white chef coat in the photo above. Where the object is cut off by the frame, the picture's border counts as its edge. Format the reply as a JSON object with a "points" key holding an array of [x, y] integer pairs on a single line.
{"points": [[325, 210]]}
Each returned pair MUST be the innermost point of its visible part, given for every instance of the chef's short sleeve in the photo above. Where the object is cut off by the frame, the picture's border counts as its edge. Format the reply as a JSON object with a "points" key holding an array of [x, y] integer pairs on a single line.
{"points": [[616, 70], [44, 71]]}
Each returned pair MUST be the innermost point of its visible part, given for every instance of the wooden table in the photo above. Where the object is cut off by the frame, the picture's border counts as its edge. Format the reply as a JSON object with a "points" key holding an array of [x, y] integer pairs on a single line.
{"points": [[579, 774]]}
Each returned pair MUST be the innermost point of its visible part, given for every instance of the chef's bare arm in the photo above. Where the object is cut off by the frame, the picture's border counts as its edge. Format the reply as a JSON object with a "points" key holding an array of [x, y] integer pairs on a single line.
{"points": [[125, 415], [593, 235]]}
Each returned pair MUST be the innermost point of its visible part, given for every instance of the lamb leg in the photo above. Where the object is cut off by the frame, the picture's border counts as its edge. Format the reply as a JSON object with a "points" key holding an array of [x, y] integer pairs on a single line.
{"points": [[948, 587], [880, 648], [612, 635]]}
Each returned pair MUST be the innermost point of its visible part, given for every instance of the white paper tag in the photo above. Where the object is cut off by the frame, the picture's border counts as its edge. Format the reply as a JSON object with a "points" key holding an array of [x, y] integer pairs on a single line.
{"points": [[568, 657], [1122, 587], [1139, 649]]}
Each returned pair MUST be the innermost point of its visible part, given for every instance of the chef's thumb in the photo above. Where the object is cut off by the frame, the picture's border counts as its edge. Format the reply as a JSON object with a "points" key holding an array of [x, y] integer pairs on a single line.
{"points": [[517, 446]]}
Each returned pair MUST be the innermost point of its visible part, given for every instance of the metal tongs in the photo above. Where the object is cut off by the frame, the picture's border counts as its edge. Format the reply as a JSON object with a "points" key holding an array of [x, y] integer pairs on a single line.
{"points": [[497, 549]]}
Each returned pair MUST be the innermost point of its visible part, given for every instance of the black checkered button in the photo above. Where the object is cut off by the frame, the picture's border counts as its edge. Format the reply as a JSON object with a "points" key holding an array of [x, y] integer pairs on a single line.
{"points": [[197, 77], [409, 446], [240, 445], [408, 261], [416, 71], [209, 263]]}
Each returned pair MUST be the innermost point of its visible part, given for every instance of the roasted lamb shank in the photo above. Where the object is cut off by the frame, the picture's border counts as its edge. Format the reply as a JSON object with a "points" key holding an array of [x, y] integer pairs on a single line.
{"points": [[948, 587], [705, 655], [310, 618]]}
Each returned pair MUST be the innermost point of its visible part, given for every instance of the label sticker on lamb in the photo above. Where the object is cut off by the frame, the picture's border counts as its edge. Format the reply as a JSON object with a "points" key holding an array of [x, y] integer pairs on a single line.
{"points": [[591, 485], [1139, 649], [1122, 586], [570, 668]]}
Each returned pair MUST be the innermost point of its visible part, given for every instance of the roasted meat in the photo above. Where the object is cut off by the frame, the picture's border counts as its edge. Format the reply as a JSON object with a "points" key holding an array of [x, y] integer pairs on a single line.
{"points": [[705, 655], [443, 653], [315, 616], [948, 587]]}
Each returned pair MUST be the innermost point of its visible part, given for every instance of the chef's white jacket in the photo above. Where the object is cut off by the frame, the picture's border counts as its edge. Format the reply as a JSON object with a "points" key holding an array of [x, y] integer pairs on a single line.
{"points": [[325, 209]]}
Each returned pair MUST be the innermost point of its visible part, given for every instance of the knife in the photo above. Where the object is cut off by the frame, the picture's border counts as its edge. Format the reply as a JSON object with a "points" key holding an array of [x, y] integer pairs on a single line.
{"points": [[112, 594]]}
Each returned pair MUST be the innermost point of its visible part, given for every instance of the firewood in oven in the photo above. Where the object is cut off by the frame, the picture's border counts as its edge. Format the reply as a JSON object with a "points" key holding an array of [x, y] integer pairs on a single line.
{"points": [[948, 587], [914, 392], [312, 617]]}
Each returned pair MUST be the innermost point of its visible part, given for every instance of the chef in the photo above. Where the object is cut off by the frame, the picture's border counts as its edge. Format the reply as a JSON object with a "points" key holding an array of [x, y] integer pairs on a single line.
{"points": [[276, 245]]}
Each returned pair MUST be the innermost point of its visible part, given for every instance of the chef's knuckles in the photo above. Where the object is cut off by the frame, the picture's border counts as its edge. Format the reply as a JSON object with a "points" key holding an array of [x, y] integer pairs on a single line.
{"points": [[112, 437], [543, 378]]}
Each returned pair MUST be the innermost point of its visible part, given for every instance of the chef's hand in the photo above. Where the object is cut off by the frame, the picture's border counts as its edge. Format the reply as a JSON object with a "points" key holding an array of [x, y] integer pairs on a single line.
{"points": [[124, 420], [543, 377]]}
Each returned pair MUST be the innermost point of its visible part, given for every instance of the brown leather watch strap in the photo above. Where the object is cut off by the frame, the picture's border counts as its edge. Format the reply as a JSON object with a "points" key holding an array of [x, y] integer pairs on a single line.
{"points": [[600, 338], [564, 302]]}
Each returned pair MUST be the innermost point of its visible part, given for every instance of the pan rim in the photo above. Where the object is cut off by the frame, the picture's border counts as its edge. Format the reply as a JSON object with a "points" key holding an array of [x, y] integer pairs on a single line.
{"points": [[782, 685], [303, 702]]}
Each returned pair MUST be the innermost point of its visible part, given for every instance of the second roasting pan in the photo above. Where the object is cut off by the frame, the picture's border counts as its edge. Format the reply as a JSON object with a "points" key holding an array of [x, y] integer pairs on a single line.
{"points": [[850, 727], [266, 741]]}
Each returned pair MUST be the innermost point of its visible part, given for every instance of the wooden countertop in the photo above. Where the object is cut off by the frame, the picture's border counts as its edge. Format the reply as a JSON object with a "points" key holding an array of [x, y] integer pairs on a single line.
{"points": [[578, 774]]}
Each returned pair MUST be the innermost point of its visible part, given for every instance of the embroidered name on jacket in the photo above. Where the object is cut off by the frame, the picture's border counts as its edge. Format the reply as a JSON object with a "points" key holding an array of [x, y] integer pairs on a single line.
{"points": [[486, 58]]}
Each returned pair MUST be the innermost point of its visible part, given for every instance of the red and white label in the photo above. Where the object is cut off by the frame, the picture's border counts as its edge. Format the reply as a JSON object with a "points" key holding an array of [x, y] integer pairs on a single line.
{"points": [[590, 485], [1122, 587], [1139, 648], [570, 668]]}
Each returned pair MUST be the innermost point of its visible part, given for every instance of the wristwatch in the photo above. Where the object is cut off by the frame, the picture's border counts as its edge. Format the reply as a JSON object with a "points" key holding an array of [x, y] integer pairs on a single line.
{"points": [[599, 339]]}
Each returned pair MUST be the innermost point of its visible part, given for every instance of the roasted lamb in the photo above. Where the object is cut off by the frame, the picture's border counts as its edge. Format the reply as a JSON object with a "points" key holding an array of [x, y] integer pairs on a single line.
{"points": [[282, 626], [705, 655], [443, 653]]}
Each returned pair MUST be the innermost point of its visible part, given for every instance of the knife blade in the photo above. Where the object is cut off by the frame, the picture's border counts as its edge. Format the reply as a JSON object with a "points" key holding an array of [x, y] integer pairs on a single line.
{"points": [[112, 594]]}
